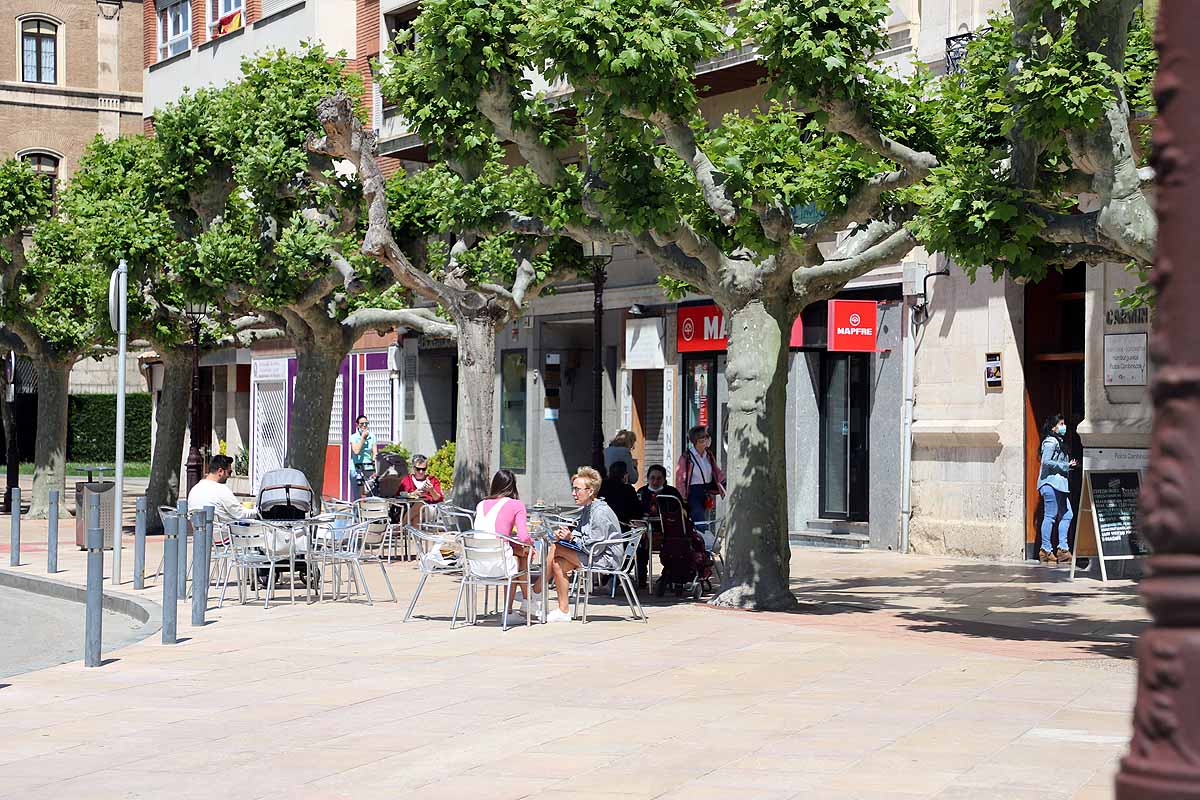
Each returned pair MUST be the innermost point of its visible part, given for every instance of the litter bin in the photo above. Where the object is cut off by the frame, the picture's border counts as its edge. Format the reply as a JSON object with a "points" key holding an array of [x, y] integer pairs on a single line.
{"points": [[84, 490]]}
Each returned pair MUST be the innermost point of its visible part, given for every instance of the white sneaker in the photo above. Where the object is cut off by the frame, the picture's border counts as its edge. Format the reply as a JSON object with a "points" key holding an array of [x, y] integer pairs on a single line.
{"points": [[524, 606], [558, 616]]}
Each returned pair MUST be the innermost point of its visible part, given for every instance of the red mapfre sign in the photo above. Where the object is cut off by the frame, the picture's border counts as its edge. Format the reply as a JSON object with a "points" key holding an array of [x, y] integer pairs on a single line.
{"points": [[853, 325], [702, 329]]}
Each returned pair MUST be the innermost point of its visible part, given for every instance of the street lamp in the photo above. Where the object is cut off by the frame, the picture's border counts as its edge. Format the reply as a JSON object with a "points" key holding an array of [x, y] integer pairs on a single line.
{"points": [[601, 253], [196, 311]]}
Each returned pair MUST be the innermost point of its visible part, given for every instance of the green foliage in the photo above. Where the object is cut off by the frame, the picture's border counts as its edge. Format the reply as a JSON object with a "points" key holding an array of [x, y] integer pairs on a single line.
{"points": [[972, 208], [816, 48], [24, 198], [396, 449], [441, 465], [91, 427], [629, 54]]}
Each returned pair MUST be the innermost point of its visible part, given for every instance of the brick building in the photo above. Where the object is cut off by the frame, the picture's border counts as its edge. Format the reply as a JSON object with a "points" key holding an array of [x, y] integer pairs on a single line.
{"points": [[69, 69]]}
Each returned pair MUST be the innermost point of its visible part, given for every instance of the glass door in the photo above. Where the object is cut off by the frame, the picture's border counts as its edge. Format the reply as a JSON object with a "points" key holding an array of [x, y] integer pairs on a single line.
{"points": [[700, 395], [844, 435]]}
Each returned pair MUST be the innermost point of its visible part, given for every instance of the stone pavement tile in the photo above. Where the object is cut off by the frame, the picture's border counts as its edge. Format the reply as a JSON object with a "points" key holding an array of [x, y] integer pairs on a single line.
{"points": [[536, 764], [572, 794], [701, 790], [619, 780], [1005, 791], [491, 787]]}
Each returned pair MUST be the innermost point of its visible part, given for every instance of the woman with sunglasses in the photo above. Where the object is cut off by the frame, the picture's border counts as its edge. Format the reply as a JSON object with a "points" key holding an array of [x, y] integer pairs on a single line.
{"points": [[419, 482], [597, 523]]}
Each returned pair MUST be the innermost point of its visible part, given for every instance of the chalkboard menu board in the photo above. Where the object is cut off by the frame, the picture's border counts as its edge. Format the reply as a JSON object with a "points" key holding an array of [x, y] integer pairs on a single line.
{"points": [[1115, 500]]}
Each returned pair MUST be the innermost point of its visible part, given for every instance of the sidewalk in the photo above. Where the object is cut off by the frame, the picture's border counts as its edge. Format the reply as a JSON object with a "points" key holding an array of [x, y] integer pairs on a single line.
{"points": [[901, 677]]}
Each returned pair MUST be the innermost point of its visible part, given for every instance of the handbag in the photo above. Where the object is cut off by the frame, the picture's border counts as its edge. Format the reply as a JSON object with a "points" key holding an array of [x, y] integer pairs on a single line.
{"points": [[710, 488]]}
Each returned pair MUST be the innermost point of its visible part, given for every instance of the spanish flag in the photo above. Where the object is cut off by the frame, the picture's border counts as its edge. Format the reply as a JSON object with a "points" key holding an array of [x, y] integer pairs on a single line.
{"points": [[229, 22]]}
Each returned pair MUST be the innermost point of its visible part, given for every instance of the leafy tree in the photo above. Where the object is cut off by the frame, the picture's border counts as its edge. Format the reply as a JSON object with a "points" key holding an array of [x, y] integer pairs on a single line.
{"points": [[712, 205], [54, 301], [454, 235], [1045, 164], [273, 230]]}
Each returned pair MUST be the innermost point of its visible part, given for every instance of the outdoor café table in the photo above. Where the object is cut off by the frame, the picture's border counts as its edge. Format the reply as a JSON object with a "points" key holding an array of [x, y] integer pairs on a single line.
{"points": [[542, 531], [410, 504]]}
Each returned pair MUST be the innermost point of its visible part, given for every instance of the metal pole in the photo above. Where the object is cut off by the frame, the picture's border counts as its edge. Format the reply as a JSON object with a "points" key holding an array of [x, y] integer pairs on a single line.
{"points": [[181, 555], [195, 463], [599, 276], [119, 499], [14, 553], [52, 533], [171, 524], [1162, 762], [94, 615], [139, 545], [199, 569]]}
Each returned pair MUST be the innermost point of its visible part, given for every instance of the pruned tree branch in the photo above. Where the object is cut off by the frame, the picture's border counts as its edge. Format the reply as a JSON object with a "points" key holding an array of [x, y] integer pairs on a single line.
{"points": [[886, 245], [383, 320], [496, 104], [847, 118], [682, 139]]}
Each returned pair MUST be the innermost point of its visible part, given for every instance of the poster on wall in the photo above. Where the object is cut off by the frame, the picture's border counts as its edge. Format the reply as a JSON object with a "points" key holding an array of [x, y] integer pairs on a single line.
{"points": [[1125, 359], [644, 343], [993, 372]]}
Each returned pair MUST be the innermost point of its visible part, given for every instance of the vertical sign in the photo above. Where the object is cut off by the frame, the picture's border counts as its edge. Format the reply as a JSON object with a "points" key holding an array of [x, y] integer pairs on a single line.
{"points": [[853, 325], [626, 399], [668, 421]]}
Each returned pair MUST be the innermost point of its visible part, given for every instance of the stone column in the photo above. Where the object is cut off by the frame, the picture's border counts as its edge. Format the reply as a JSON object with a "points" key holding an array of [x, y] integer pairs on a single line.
{"points": [[108, 66]]}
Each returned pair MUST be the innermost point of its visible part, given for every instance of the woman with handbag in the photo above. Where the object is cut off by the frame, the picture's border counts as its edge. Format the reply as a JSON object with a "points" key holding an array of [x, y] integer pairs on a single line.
{"points": [[698, 477]]}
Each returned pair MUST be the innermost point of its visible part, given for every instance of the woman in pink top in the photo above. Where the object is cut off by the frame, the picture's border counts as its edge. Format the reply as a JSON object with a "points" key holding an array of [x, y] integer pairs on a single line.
{"points": [[503, 513]]}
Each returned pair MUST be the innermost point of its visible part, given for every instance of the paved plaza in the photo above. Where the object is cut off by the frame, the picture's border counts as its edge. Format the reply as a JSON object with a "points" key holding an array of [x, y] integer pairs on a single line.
{"points": [[900, 677]]}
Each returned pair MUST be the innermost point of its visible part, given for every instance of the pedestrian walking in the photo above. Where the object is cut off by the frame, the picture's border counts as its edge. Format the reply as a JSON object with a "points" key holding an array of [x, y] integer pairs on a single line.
{"points": [[363, 453], [620, 449], [1055, 490]]}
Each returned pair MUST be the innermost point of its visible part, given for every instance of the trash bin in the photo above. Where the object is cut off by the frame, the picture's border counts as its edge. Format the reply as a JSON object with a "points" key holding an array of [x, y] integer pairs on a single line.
{"points": [[84, 490]]}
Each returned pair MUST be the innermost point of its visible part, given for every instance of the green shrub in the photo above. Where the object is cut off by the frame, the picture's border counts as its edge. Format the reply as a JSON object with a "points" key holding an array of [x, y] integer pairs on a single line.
{"points": [[441, 466], [91, 427]]}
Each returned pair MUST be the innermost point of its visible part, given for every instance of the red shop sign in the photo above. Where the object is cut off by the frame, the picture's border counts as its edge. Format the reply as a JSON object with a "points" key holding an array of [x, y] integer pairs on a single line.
{"points": [[853, 325], [702, 329]]}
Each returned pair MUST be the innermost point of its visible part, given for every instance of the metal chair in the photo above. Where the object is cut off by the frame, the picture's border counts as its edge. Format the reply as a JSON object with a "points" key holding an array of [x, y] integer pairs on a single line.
{"points": [[485, 563], [257, 546], [374, 538], [623, 573], [433, 560]]}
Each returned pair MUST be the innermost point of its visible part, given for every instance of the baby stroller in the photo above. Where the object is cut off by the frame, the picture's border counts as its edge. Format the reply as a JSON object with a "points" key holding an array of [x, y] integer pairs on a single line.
{"points": [[284, 495], [686, 564]]}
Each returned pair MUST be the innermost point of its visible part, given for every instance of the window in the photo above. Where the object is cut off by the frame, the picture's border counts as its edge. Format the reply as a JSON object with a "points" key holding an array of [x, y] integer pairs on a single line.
{"points": [[45, 165], [39, 51], [225, 16], [174, 29], [400, 21], [512, 410]]}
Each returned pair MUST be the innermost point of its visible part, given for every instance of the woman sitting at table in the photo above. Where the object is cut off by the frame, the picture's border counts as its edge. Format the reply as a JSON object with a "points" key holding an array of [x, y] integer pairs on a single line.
{"points": [[597, 523], [503, 513], [419, 482]]}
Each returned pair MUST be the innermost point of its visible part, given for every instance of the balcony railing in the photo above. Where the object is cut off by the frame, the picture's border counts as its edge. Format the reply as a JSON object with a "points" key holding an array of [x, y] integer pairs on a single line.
{"points": [[956, 49]]}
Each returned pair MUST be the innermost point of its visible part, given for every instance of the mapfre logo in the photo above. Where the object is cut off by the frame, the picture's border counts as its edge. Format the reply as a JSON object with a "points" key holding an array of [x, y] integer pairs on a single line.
{"points": [[688, 330]]}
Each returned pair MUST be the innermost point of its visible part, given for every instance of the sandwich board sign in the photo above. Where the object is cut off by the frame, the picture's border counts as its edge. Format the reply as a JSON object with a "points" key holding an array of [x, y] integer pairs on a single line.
{"points": [[1108, 518]]}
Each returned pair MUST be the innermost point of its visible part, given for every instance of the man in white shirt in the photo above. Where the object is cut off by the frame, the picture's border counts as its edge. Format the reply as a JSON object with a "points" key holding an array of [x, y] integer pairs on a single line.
{"points": [[212, 491]]}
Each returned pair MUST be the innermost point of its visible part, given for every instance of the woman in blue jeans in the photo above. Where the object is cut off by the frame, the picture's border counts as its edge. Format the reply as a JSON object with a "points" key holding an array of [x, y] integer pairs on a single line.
{"points": [[1056, 491]]}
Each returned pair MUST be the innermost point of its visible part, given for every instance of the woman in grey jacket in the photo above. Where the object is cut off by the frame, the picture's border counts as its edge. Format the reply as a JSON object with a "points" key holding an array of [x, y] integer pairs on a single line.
{"points": [[1055, 490], [597, 523]]}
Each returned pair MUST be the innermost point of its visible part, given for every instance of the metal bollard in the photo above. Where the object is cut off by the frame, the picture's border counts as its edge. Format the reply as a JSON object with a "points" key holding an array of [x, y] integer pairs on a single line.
{"points": [[170, 565], [94, 615], [14, 553], [199, 569], [182, 555], [52, 533], [139, 545]]}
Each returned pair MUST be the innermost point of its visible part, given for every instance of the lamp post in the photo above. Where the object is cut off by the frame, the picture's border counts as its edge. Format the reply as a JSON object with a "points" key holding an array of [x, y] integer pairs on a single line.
{"points": [[1163, 762], [601, 253], [196, 311]]}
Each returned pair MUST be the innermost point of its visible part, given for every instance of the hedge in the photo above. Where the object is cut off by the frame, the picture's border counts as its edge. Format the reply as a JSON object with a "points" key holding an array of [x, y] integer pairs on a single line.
{"points": [[91, 425]]}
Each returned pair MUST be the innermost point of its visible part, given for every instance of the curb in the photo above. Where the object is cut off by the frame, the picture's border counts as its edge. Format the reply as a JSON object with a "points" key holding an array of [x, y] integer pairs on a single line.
{"points": [[148, 613]]}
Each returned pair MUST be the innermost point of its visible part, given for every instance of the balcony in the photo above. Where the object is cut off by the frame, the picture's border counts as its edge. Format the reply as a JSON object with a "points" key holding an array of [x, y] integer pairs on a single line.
{"points": [[956, 49]]}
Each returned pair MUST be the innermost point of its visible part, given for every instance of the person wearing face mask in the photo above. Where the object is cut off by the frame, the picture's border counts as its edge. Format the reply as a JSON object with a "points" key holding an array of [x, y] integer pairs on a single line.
{"points": [[1055, 490], [656, 486]]}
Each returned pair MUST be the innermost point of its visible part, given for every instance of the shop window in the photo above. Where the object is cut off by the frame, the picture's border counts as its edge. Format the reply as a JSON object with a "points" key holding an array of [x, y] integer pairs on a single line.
{"points": [[700, 396], [174, 29], [513, 364], [39, 51]]}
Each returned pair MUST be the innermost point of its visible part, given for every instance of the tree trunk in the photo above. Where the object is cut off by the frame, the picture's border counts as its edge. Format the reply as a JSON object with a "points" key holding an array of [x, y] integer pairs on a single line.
{"points": [[317, 368], [476, 425], [50, 458], [171, 419], [756, 549]]}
